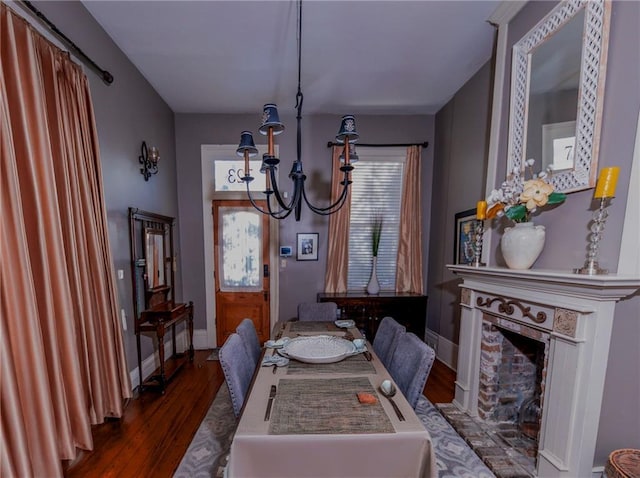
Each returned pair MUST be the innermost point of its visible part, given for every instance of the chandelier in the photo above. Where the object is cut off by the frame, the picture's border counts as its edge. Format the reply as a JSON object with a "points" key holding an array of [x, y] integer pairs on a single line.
{"points": [[271, 126]]}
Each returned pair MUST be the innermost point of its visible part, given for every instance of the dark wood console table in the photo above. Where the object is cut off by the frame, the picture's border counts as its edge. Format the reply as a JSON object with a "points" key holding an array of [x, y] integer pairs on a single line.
{"points": [[153, 279], [368, 310], [160, 319]]}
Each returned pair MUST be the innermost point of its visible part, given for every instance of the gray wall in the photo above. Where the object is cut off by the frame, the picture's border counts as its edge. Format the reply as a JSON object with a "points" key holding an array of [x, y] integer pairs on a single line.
{"points": [[462, 127], [126, 112], [299, 281], [566, 226]]}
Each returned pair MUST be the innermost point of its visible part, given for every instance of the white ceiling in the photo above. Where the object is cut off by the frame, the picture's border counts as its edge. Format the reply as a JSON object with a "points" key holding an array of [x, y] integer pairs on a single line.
{"points": [[358, 56]]}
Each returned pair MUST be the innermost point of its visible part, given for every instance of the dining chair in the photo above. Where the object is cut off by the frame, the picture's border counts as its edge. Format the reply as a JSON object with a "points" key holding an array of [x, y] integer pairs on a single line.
{"points": [[386, 339], [318, 311], [247, 331], [410, 366], [237, 368]]}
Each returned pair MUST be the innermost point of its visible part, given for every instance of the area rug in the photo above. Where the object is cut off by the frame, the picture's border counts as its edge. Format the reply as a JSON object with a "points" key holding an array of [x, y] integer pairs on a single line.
{"points": [[208, 452], [214, 354]]}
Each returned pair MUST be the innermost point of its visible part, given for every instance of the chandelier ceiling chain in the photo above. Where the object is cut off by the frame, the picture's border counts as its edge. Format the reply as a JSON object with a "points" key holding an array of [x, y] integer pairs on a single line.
{"points": [[271, 126]]}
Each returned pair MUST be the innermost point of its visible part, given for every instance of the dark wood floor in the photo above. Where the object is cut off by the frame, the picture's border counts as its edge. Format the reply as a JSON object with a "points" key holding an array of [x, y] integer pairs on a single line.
{"points": [[156, 430]]}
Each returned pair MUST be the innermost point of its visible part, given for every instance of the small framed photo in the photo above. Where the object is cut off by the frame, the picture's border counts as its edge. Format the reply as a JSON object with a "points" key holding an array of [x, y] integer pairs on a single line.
{"points": [[307, 246], [463, 237]]}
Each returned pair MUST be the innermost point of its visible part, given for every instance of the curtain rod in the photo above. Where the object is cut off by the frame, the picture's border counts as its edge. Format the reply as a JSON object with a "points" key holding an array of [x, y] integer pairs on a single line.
{"points": [[390, 145], [104, 74]]}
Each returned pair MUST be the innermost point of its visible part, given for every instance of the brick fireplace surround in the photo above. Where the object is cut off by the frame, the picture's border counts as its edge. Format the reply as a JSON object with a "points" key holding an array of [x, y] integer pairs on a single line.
{"points": [[571, 316]]}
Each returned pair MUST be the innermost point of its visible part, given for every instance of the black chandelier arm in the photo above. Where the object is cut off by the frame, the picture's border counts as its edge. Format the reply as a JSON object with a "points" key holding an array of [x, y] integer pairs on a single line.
{"points": [[276, 191], [325, 211], [277, 214], [280, 213]]}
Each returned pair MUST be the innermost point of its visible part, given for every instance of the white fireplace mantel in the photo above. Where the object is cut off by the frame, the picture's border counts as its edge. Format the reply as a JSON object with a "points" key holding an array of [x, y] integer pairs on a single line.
{"points": [[577, 312]]}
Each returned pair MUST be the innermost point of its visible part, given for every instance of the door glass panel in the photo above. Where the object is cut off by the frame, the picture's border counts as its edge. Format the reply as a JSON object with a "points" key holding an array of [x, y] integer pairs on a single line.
{"points": [[240, 248]]}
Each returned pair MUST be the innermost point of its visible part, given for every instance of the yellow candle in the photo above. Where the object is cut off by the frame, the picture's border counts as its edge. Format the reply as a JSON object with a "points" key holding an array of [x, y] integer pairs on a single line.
{"points": [[481, 210], [606, 187]]}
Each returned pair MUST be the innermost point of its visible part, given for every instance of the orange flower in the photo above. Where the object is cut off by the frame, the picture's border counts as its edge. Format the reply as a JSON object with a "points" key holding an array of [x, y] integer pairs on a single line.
{"points": [[494, 210]]}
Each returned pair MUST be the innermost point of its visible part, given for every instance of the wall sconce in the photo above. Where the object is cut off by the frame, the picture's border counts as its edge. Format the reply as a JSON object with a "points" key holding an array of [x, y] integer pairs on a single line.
{"points": [[149, 160]]}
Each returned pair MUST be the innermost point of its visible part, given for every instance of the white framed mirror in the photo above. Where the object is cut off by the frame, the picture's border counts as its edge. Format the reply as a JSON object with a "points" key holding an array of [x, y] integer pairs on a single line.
{"points": [[557, 90]]}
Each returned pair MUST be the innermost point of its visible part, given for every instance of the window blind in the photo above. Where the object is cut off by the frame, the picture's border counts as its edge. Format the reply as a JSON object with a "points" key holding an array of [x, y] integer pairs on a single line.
{"points": [[376, 190]]}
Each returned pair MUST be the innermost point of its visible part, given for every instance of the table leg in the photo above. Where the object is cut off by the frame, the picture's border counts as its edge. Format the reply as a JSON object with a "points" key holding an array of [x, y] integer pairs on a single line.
{"points": [[190, 326], [160, 335]]}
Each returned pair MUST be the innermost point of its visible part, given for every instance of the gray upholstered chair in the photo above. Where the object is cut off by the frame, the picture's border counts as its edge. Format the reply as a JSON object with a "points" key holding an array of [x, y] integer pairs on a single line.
{"points": [[386, 339], [237, 368], [247, 331], [410, 366], [320, 311]]}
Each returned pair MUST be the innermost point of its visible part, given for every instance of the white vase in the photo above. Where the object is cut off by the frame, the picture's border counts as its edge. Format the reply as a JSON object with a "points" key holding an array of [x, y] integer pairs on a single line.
{"points": [[521, 245], [373, 287]]}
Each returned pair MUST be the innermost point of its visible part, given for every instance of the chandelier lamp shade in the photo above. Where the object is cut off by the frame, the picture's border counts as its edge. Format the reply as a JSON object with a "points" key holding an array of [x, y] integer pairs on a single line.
{"points": [[276, 204]]}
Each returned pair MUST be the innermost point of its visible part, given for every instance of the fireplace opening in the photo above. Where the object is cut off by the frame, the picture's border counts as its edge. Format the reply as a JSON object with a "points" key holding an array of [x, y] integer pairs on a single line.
{"points": [[505, 432], [511, 375]]}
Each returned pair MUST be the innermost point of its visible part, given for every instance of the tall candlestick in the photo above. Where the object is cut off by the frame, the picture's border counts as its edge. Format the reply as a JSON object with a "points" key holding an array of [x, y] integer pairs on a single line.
{"points": [[481, 210], [478, 232], [606, 187]]}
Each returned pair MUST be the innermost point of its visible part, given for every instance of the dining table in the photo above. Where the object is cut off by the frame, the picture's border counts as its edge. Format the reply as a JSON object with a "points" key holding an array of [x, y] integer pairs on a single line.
{"points": [[327, 419]]}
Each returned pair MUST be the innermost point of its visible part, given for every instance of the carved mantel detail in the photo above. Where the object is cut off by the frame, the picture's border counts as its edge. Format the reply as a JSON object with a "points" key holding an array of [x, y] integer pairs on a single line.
{"points": [[465, 296], [506, 307], [565, 321]]}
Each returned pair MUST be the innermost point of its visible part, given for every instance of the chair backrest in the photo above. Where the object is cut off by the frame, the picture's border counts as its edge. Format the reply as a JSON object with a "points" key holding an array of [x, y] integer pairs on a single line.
{"points": [[237, 368], [386, 339], [410, 366], [247, 331], [319, 311]]}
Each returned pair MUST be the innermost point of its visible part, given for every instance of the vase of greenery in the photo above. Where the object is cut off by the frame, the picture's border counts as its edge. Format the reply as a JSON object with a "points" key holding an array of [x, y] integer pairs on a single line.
{"points": [[373, 287]]}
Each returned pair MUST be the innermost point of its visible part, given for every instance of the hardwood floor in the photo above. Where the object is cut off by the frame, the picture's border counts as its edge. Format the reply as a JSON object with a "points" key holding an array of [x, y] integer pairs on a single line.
{"points": [[156, 430]]}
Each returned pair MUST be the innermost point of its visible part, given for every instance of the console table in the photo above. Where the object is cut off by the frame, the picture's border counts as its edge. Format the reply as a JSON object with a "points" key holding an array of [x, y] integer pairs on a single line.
{"points": [[368, 310]]}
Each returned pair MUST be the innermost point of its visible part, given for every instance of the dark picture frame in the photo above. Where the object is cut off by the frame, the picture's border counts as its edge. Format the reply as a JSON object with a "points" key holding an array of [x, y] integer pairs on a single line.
{"points": [[463, 237], [307, 249]]}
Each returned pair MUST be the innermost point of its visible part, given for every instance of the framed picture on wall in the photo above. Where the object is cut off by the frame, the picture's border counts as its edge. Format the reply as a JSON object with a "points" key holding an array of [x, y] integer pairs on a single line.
{"points": [[307, 246], [463, 237]]}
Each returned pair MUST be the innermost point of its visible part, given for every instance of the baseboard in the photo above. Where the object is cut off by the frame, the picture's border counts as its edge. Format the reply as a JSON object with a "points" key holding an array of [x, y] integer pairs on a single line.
{"points": [[597, 472], [200, 340], [446, 351]]}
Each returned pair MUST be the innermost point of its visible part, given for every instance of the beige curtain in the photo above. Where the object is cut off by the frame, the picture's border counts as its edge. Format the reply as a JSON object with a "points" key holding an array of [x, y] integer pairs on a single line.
{"points": [[338, 250], [409, 268], [63, 362]]}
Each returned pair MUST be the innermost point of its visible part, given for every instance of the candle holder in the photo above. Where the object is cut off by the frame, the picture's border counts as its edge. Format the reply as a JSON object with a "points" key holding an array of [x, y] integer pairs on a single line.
{"points": [[591, 266], [477, 244]]}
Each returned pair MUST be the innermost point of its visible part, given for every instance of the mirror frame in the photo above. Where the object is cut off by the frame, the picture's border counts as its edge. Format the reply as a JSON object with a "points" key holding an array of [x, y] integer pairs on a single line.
{"points": [[593, 63]]}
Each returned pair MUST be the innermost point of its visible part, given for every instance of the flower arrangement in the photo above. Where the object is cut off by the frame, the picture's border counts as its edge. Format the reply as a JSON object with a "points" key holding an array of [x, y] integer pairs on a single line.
{"points": [[518, 200], [376, 233]]}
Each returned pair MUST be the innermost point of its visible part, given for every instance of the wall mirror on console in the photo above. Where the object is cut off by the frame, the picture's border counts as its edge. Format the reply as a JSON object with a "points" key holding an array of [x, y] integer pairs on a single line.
{"points": [[154, 306], [557, 88]]}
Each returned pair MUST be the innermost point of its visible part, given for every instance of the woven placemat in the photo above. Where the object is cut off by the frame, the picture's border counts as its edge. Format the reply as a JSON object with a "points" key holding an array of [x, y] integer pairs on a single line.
{"points": [[356, 364], [326, 406], [313, 326]]}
